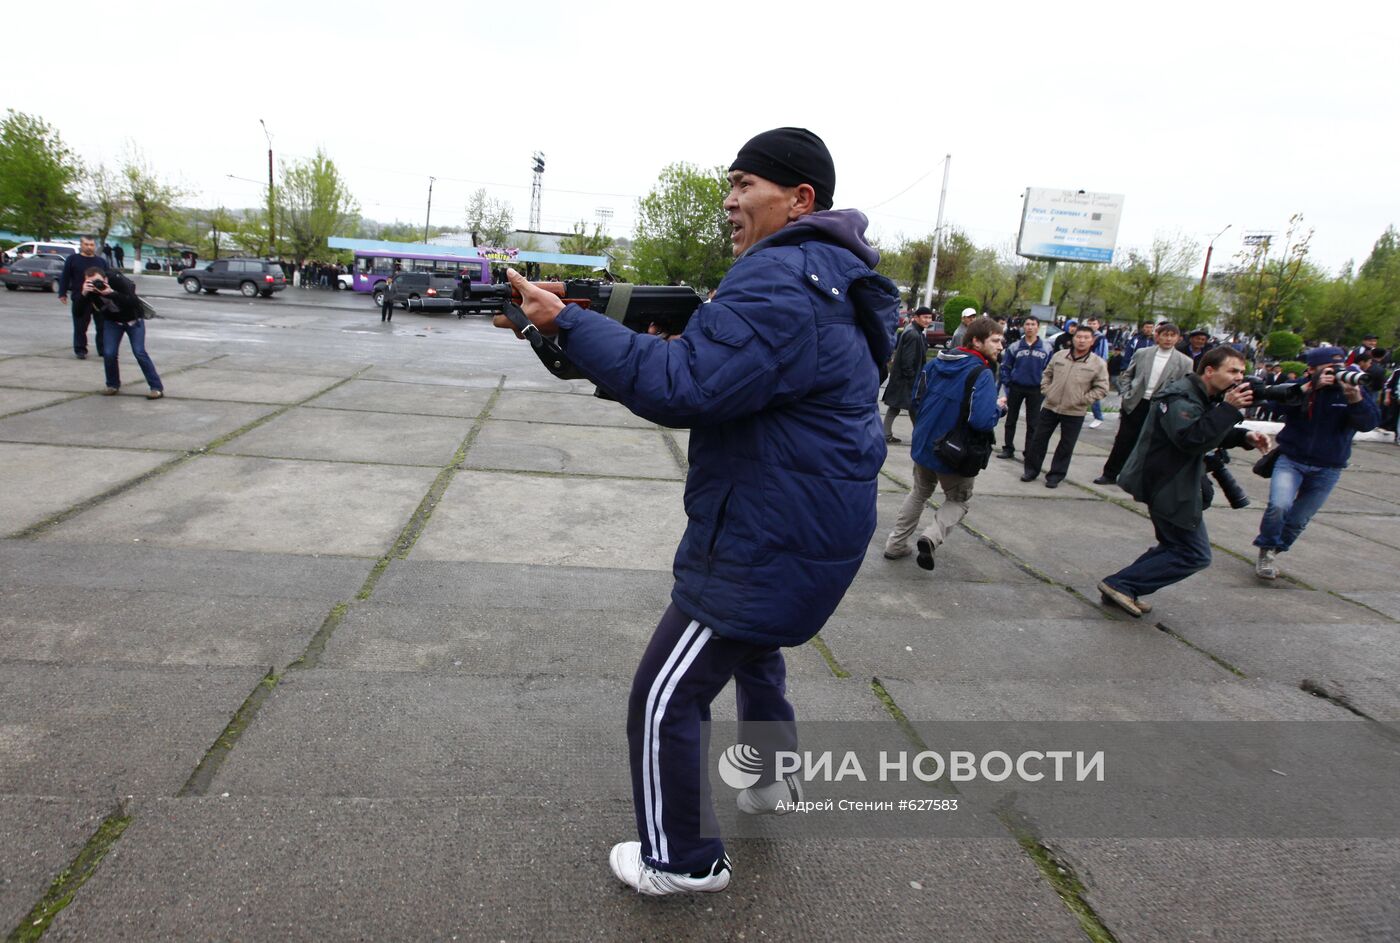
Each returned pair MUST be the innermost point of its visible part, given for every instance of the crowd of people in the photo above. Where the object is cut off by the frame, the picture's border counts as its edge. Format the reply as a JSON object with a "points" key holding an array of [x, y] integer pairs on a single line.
{"points": [[1183, 399]]}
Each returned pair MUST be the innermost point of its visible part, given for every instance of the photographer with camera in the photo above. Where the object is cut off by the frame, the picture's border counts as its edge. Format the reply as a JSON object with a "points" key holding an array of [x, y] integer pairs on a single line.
{"points": [[1187, 421], [778, 380], [114, 300], [1314, 446]]}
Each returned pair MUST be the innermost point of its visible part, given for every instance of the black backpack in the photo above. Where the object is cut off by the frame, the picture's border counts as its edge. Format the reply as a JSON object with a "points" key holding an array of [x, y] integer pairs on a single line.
{"points": [[965, 450]]}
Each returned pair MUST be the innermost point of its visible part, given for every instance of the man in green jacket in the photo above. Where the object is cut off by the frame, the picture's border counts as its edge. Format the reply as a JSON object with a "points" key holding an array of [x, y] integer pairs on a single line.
{"points": [[1189, 419]]}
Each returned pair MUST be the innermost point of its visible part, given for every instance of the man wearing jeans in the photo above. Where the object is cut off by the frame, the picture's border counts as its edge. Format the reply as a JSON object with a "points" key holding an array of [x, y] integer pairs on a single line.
{"points": [[1166, 471], [1314, 446]]}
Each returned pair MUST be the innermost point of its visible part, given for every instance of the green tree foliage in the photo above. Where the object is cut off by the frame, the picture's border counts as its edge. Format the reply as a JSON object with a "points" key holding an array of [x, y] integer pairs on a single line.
{"points": [[1273, 287], [39, 178], [681, 235], [582, 242], [492, 220], [148, 202], [249, 234], [313, 203], [954, 307], [1283, 345], [105, 197], [1147, 285], [1365, 302]]}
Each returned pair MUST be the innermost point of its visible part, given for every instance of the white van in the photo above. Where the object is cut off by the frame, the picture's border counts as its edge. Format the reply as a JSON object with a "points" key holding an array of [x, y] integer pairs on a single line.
{"points": [[25, 249]]}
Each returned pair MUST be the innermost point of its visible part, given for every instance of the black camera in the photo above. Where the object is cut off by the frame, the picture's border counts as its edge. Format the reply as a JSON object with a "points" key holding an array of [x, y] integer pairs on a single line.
{"points": [[1273, 392], [1215, 464], [99, 284]]}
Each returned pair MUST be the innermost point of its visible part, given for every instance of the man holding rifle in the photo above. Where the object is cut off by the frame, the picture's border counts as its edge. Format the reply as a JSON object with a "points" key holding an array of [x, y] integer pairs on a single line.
{"points": [[778, 378]]}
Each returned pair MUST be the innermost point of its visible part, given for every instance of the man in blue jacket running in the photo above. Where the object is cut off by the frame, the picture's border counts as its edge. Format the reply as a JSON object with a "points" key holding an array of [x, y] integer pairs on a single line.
{"points": [[778, 378], [1314, 446], [938, 400]]}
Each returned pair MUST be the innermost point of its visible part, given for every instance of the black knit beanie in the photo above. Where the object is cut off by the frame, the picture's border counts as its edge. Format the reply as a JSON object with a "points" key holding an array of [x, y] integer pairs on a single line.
{"points": [[789, 156]]}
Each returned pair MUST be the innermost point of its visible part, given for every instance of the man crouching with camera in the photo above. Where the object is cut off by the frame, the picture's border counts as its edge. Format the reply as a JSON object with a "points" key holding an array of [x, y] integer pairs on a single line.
{"points": [[1314, 447], [1191, 418]]}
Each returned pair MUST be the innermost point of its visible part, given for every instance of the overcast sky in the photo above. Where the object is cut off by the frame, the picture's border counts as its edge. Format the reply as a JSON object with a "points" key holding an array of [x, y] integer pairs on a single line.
{"points": [[1201, 114]]}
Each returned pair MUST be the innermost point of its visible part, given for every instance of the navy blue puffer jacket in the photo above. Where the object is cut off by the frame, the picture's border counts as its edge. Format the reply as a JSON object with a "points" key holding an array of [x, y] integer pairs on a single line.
{"points": [[777, 377]]}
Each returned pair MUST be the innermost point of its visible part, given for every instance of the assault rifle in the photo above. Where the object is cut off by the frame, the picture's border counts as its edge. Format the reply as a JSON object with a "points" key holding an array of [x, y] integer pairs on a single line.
{"points": [[639, 307]]}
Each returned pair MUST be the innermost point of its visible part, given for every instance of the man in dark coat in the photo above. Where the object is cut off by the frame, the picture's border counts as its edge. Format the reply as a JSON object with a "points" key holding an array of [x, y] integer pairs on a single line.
{"points": [[1188, 420], [778, 379], [908, 360], [70, 281]]}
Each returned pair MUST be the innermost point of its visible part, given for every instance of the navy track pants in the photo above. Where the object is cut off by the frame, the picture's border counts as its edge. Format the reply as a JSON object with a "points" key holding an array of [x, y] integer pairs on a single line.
{"points": [[684, 667]]}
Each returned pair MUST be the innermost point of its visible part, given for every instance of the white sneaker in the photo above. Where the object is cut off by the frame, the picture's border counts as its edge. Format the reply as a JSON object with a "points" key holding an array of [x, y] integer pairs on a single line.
{"points": [[1095, 423], [1265, 568], [764, 800], [627, 864]]}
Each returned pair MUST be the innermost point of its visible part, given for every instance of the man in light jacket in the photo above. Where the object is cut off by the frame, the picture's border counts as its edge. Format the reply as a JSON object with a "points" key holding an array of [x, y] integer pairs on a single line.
{"points": [[1074, 378], [1152, 369]]}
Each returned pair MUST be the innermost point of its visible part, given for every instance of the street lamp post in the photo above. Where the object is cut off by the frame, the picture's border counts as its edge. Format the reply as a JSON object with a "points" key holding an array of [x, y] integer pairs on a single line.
{"points": [[1209, 249], [271, 196]]}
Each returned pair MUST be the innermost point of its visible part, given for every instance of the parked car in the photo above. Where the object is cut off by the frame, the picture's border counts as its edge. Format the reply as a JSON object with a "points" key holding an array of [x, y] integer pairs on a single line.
{"points": [[25, 249], [37, 271], [406, 286], [250, 276], [936, 336]]}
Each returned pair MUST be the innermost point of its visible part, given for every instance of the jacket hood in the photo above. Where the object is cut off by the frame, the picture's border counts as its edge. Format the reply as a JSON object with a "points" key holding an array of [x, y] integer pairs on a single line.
{"points": [[845, 228]]}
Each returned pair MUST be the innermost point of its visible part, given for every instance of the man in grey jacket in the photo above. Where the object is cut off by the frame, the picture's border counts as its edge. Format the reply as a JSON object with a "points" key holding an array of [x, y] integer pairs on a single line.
{"points": [[1152, 369], [1073, 379]]}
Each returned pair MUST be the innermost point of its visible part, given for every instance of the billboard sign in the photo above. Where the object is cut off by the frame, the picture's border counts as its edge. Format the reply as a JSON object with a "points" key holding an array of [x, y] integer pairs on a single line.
{"points": [[1069, 225]]}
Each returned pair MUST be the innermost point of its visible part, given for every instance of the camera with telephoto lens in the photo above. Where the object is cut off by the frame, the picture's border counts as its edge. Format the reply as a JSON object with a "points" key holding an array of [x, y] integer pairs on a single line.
{"points": [[1272, 392], [1215, 464], [1350, 375]]}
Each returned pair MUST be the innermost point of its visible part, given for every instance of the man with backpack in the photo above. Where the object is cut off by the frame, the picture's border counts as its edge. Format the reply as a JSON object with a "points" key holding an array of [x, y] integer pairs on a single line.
{"points": [[955, 404]]}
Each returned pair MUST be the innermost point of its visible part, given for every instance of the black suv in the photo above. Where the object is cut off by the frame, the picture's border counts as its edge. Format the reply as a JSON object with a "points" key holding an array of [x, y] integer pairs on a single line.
{"points": [[414, 285], [250, 276]]}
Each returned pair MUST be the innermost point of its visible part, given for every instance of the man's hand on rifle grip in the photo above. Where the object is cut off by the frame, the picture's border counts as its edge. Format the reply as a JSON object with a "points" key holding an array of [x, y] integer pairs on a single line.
{"points": [[540, 306]]}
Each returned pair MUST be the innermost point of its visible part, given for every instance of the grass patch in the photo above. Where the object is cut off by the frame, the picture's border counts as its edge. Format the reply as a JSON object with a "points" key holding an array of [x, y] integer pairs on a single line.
{"points": [[65, 885]]}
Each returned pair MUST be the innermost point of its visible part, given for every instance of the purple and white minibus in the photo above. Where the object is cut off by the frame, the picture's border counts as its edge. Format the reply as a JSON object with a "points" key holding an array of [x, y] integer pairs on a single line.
{"points": [[377, 262]]}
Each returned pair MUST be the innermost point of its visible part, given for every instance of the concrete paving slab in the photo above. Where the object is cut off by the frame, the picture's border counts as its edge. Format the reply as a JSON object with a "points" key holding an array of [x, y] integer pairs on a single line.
{"points": [[40, 837], [573, 449], [63, 371], [344, 436], [130, 422], [921, 597], [14, 401], [356, 733], [501, 518], [1261, 604], [505, 642], [506, 585], [246, 386], [1376, 697], [1000, 478], [1370, 529], [1322, 556], [1385, 601], [1321, 890], [282, 362], [1007, 649], [69, 476], [434, 374], [424, 399], [1228, 698], [55, 625], [963, 557], [80, 568], [105, 731], [260, 505], [207, 868], [570, 409]]}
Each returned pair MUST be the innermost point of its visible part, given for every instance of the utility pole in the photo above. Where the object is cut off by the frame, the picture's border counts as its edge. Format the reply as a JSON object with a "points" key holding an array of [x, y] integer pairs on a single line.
{"points": [[431, 181], [937, 233], [271, 197]]}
